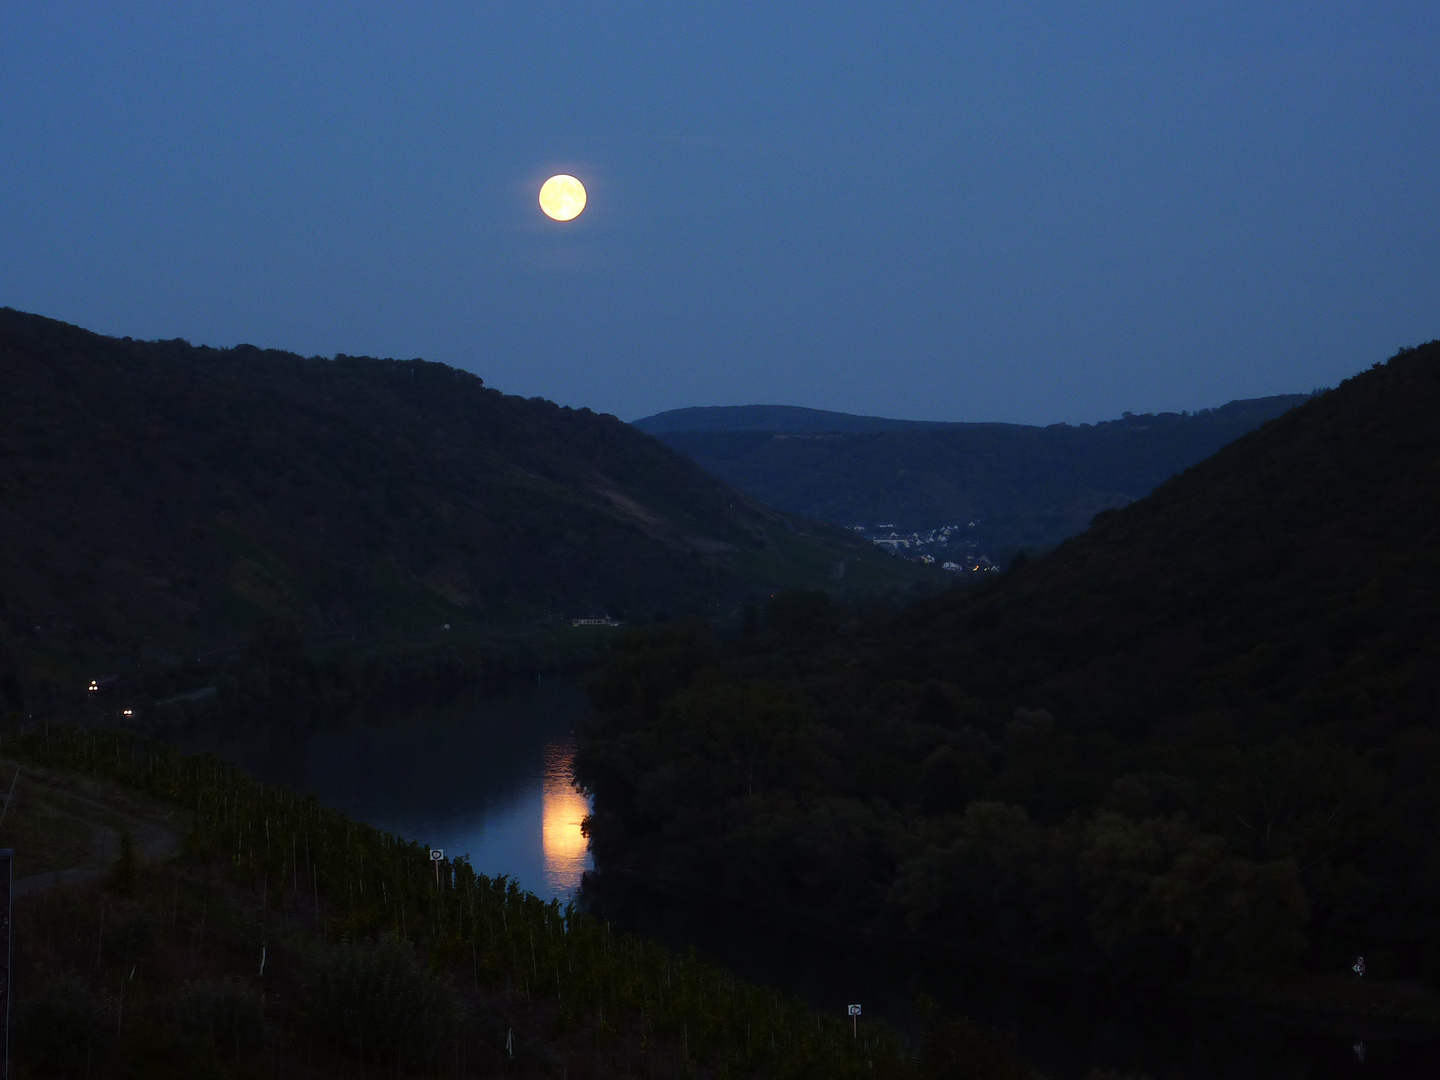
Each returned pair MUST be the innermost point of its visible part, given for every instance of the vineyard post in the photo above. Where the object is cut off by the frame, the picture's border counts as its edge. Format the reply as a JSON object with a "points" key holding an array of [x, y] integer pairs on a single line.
{"points": [[7, 860]]}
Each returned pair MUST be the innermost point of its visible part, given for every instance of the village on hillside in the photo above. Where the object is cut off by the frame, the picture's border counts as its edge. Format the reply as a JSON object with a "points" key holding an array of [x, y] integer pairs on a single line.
{"points": [[953, 549]]}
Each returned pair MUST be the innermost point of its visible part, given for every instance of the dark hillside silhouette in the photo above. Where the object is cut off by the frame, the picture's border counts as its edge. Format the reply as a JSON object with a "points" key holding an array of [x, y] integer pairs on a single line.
{"points": [[159, 494], [1297, 569], [1198, 744]]}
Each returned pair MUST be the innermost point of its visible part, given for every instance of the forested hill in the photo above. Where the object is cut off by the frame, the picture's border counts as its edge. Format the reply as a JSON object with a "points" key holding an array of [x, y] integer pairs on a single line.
{"points": [[155, 493], [1024, 486], [1298, 569], [1199, 743]]}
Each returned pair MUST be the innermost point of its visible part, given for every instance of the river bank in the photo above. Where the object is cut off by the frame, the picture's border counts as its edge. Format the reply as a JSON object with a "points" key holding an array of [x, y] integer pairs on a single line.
{"points": [[485, 775], [286, 937]]}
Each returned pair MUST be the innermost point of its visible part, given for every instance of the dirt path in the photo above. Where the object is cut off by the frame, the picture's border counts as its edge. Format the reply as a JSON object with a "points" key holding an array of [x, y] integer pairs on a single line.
{"points": [[66, 827]]}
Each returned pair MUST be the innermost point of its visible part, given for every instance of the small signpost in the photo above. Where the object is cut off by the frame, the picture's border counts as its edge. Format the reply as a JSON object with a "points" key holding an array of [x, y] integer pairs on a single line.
{"points": [[1359, 966], [436, 854], [854, 1011]]}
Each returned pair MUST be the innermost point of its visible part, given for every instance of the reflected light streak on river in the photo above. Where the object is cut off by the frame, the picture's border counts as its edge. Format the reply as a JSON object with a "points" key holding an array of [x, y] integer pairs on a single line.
{"points": [[488, 777], [562, 837]]}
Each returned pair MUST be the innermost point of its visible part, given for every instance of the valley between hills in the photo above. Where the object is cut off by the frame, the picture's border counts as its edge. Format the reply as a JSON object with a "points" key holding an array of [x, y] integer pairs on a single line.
{"points": [[1188, 750]]}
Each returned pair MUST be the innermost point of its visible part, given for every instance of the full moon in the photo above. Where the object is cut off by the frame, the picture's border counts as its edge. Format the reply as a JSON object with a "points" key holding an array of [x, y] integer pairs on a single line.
{"points": [[562, 197]]}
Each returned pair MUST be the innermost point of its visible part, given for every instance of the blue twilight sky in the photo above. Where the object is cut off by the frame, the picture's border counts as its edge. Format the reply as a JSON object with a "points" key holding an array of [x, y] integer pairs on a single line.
{"points": [[1008, 211]]}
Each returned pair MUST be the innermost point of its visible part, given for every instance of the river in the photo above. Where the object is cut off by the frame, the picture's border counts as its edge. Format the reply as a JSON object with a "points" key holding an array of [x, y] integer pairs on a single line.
{"points": [[489, 777]]}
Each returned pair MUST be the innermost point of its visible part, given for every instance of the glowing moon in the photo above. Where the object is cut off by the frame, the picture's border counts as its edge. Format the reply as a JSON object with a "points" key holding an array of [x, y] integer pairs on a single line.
{"points": [[562, 197]]}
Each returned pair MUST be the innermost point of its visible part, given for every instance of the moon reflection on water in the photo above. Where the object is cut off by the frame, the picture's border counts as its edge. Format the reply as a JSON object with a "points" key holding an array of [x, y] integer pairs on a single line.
{"points": [[488, 778], [562, 839]]}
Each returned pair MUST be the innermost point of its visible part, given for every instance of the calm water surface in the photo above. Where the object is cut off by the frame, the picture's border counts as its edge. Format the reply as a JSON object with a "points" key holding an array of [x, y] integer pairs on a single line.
{"points": [[487, 777]]}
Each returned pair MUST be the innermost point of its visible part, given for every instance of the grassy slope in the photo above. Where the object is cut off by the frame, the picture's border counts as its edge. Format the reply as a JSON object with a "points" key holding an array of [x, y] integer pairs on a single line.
{"points": [[60, 822]]}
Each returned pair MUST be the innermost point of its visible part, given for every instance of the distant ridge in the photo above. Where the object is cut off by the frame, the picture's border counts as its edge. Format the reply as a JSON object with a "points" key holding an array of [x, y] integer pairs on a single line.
{"points": [[1024, 486], [776, 419], [797, 420]]}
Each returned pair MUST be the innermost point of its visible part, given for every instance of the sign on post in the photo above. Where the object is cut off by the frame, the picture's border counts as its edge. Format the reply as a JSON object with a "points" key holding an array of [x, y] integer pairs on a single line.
{"points": [[436, 854], [854, 1011]]}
